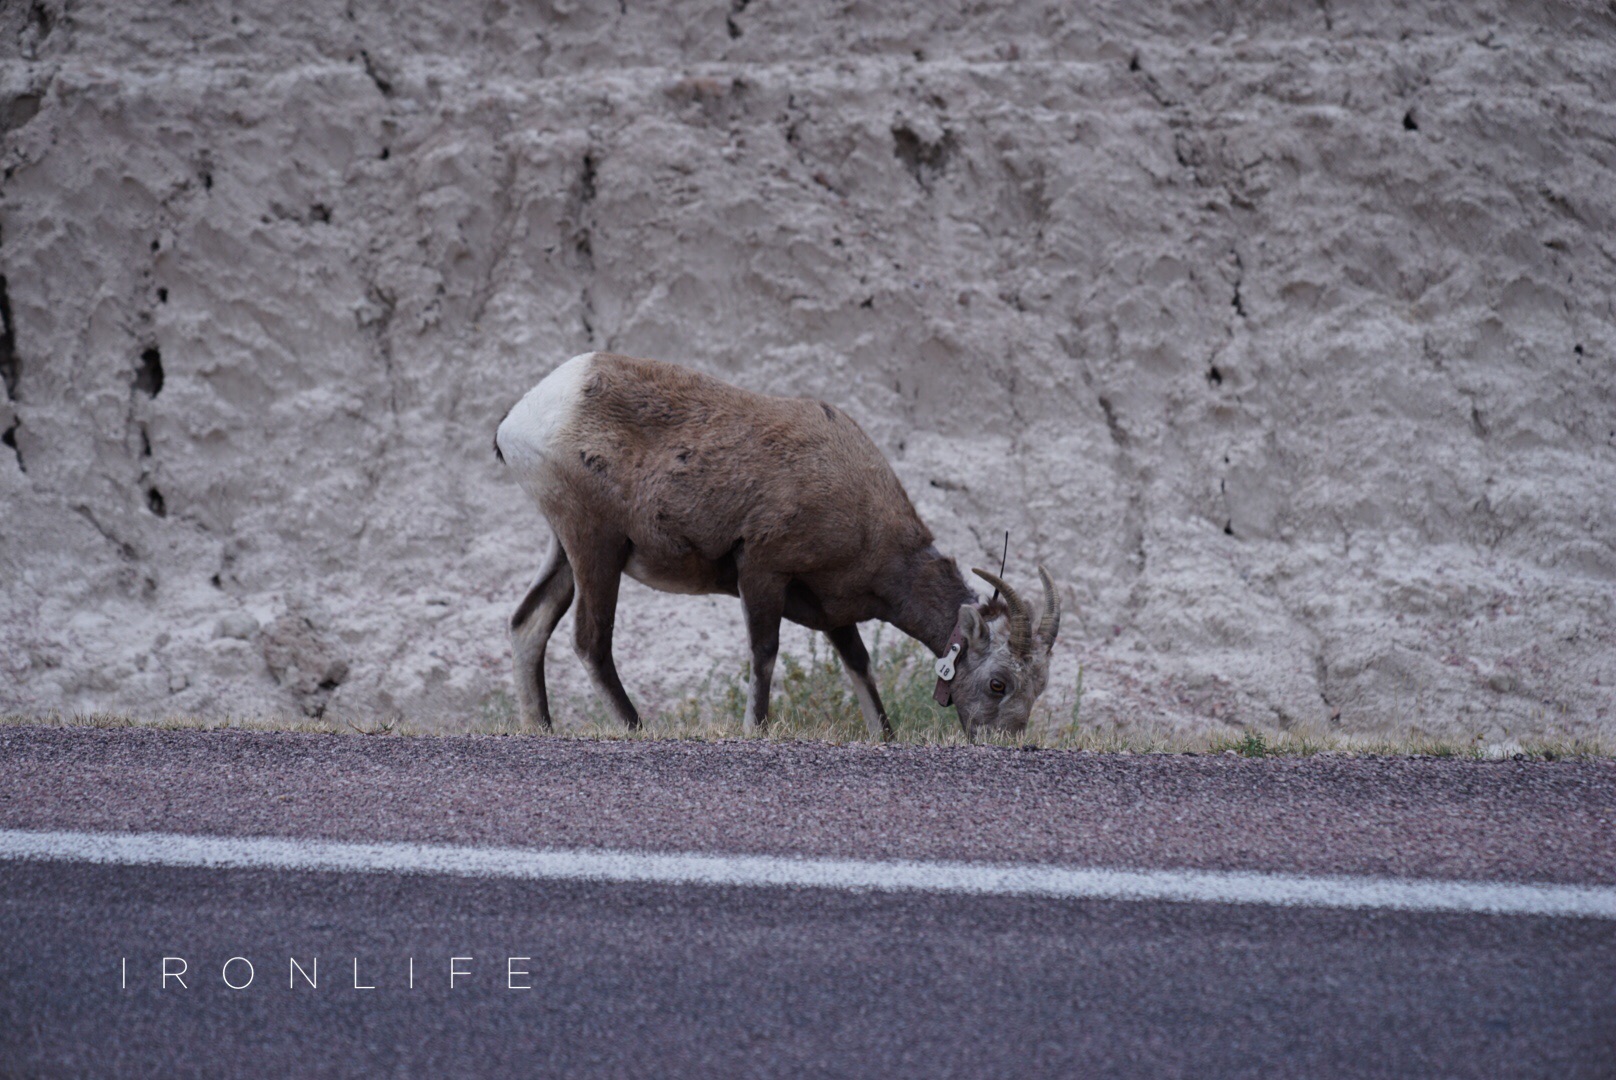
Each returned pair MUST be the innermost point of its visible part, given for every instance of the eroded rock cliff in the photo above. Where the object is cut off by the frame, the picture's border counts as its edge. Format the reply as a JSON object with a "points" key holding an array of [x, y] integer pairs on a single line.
{"points": [[1284, 334]]}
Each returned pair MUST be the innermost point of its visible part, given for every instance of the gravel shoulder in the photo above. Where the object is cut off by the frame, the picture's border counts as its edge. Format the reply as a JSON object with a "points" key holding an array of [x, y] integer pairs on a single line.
{"points": [[1518, 821]]}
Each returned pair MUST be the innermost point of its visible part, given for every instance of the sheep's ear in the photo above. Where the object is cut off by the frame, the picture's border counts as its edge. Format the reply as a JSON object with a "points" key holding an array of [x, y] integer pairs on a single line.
{"points": [[974, 629]]}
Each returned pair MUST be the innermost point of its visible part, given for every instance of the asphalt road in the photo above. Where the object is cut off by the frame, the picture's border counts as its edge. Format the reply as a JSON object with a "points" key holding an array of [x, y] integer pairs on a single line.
{"points": [[646, 979]]}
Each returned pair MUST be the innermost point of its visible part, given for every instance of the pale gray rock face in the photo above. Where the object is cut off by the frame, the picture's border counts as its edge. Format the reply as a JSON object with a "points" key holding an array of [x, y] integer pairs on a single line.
{"points": [[237, 624], [1284, 336], [304, 661]]}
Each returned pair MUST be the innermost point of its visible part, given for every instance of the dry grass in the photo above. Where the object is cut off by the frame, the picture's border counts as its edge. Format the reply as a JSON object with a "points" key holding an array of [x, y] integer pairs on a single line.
{"points": [[813, 702], [198, 723]]}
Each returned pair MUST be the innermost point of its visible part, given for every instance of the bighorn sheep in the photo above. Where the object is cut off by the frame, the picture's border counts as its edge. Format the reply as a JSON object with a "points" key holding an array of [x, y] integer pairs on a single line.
{"points": [[689, 484]]}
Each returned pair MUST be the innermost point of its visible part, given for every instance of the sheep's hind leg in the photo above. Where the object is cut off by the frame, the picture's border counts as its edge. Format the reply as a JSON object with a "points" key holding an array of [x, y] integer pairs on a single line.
{"points": [[856, 659], [597, 581], [764, 597], [532, 624]]}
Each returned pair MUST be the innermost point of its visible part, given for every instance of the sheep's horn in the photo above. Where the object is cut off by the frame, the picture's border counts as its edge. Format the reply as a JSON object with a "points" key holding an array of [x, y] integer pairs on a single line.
{"points": [[1020, 622], [1049, 625]]}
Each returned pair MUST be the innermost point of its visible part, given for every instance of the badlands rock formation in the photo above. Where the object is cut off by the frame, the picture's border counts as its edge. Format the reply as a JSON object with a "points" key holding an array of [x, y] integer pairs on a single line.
{"points": [[1283, 333]]}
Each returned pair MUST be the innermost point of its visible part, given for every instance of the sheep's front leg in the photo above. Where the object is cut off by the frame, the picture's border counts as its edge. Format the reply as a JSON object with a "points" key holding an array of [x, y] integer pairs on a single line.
{"points": [[764, 597], [856, 661]]}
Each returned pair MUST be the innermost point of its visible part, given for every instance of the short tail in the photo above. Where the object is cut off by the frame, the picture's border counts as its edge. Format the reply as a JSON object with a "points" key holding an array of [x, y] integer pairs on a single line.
{"points": [[497, 451]]}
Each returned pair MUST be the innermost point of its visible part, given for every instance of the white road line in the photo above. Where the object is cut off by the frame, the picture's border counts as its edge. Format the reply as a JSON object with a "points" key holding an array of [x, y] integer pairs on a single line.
{"points": [[977, 879]]}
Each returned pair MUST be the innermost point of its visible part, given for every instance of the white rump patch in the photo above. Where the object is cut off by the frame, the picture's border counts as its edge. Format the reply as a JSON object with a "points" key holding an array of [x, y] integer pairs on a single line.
{"points": [[527, 435]]}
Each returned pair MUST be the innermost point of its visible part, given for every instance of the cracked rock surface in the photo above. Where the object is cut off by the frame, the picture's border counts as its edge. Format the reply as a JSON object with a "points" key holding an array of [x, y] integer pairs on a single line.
{"points": [[1285, 337]]}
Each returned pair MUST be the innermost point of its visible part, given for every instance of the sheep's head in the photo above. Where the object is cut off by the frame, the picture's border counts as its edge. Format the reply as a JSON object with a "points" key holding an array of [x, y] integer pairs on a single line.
{"points": [[1005, 662]]}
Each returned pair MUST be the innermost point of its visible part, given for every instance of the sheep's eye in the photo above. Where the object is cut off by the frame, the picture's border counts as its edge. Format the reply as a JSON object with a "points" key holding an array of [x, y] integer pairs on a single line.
{"points": [[996, 685]]}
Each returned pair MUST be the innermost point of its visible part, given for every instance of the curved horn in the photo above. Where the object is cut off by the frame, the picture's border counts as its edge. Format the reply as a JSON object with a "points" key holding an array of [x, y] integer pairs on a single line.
{"points": [[1049, 625], [1020, 621]]}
